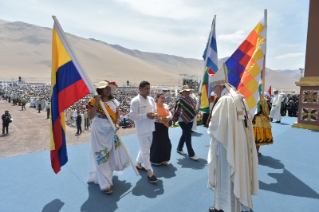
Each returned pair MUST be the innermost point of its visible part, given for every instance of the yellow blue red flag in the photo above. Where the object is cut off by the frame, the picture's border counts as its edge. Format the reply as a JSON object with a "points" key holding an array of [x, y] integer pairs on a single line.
{"points": [[68, 84]]}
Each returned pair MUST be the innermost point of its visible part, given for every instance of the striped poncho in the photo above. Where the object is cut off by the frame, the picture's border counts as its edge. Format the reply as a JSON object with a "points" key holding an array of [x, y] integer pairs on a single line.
{"points": [[185, 108]]}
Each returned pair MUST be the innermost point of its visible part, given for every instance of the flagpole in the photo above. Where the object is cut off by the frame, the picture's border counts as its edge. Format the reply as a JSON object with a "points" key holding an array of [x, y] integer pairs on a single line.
{"points": [[101, 104], [207, 52], [264, 72]]}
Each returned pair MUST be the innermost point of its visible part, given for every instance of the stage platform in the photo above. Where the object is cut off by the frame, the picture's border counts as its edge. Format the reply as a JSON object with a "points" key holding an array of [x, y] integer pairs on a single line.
{"points": [[288, 176]]}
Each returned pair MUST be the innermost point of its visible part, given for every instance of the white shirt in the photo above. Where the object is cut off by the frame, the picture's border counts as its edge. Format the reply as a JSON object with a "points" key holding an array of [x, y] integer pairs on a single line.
{"points": [[139, 108]]}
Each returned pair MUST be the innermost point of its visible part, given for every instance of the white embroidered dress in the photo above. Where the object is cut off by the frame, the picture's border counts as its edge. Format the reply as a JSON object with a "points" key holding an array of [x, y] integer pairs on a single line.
{"points": [[106, 153]]}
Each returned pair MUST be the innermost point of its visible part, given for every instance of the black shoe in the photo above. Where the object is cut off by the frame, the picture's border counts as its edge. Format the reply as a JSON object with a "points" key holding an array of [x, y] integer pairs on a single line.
{"points": [[278, 122], [212, 209], [271, 119], [152, 179], [141, 169]]}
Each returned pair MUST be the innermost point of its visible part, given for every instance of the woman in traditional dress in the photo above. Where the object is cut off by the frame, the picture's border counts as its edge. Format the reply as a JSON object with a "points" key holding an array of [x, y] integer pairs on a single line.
{"points": [[184, 113], [106, 153], [262, 126], [161, 147]]}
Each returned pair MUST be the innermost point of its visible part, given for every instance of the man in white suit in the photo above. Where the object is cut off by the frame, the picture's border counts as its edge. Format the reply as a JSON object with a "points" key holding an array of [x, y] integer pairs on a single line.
{"points": [[275, 108]]}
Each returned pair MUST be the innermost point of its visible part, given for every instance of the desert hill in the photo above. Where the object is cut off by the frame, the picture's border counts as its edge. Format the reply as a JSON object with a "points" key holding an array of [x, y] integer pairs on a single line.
{"points": [[26, 51]]}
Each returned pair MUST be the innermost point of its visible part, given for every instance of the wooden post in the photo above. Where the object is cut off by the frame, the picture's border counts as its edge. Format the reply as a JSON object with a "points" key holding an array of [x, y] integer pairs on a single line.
{"points": [[308, 117], [264, 65]]}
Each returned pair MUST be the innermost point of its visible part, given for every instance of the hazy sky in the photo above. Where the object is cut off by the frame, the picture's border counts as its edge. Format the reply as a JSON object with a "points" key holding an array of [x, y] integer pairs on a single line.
{"points": [[175, 27]]}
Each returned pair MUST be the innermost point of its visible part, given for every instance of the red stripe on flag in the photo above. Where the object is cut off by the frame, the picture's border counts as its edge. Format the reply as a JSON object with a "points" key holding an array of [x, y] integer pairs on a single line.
{"points": [[57, 137], [72, 94], [211, 72], [206, 87], [269, 90]]}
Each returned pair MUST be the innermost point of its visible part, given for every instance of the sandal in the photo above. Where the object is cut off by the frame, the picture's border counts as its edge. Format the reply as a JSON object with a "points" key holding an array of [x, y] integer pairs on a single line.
{"points": [[108, 190]]}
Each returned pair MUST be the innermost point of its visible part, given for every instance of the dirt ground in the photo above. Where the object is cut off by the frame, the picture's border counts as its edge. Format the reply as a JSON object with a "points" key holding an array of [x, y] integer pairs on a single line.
{"points": [[30, 131]]}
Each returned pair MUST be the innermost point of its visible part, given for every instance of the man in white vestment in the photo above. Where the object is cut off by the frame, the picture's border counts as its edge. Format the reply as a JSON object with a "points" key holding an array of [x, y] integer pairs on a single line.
{"points": [[143, 112], [275, 108], [232, 157]]}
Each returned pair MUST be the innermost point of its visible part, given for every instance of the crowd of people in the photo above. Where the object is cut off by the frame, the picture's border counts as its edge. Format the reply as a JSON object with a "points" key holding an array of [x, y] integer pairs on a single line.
{"points": [[289, 104], [38, 97]]}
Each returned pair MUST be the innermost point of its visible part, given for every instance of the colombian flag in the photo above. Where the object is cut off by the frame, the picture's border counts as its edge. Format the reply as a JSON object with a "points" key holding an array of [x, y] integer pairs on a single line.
{"points": [[211, 67], [68, 84]]}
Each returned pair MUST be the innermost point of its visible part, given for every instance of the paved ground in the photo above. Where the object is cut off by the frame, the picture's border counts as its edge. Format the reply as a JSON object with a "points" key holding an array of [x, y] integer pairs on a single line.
{"points": [[288, 179], [30, 132]]}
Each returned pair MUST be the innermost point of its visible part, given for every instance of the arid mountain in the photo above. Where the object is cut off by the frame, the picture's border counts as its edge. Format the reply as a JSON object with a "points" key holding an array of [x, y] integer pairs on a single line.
{"points": [[279, 80], [295, 74], [26, 51]]}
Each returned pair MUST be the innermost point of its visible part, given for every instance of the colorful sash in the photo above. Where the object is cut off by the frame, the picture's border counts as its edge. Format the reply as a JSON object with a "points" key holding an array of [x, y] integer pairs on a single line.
{"points": [[91, 103]]}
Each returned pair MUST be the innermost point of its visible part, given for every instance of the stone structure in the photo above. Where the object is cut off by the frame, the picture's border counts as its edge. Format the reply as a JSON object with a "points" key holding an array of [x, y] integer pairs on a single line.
{"points": [[308, 116]]}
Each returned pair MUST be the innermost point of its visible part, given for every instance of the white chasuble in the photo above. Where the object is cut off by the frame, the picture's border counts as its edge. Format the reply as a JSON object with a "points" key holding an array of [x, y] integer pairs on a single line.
{"points": [[232, 158]]}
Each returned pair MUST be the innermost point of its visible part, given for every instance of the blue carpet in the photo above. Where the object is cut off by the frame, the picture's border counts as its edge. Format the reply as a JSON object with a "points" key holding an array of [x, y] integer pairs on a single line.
{"points": [[288, 175]]}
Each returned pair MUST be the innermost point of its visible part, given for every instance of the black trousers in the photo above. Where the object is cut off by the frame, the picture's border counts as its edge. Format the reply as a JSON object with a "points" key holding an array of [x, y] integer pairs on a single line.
{"points": [[79, 128], [292, 113], [124, 124], [186, 137], [5, 127], [205, 117]]}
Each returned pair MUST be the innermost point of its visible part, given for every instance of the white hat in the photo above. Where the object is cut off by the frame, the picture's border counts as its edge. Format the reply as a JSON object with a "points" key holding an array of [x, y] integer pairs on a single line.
{"points": [[220, 78], [106, 83], [185, 88]]}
